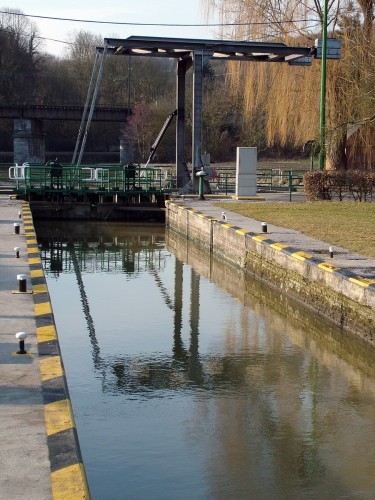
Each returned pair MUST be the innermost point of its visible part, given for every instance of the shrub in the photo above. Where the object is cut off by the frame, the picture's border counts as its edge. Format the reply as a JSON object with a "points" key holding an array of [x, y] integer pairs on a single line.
{"points": [[336, 184], [316, 187]]}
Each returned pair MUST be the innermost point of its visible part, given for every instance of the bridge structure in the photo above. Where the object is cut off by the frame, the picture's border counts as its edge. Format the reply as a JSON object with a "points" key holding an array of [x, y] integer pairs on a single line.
{"points": [[29, 136], [108, 192], [187, 53], [192, 53]]}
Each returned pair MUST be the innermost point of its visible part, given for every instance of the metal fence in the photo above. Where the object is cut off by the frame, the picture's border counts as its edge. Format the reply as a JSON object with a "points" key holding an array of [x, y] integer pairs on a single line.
{"points": [[268, 179], [132, 178], [70, 179]]}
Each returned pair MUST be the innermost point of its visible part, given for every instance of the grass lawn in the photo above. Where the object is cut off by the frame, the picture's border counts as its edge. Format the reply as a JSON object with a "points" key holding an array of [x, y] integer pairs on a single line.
{"points": [[349, 225]]}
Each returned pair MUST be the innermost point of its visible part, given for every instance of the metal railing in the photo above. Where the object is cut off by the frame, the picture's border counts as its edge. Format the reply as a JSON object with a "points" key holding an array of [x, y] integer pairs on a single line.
{"points": [[278, 179], [40, 179], [110, 179], [270, 179]]}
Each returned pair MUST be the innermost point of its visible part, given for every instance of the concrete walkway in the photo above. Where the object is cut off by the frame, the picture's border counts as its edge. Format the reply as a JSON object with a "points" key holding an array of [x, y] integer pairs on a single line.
{"points": [[40, 456], [24, 457], [353, 263]]}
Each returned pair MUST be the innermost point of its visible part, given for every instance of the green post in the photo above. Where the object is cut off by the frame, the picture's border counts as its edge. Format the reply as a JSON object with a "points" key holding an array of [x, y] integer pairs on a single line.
{"points": [[201, 197], [322, 152], [201, 174], [290, 177]]}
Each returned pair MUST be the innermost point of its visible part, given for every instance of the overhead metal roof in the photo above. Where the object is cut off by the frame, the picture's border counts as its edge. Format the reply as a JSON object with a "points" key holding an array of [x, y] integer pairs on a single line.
{"points": [[181, 48]]}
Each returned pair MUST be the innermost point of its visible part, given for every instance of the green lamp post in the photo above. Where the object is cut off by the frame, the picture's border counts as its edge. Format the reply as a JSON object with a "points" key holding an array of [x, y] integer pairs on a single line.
{"points": [[322, 127]]}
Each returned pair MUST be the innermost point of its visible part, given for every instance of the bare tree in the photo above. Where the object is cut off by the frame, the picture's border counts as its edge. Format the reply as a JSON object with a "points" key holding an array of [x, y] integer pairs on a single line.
{"points": [[19, 57]]}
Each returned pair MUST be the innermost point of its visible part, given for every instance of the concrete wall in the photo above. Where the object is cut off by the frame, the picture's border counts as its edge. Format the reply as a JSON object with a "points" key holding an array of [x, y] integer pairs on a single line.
{"points": [[281, 310], [330, 293], [96, 211], [29, 143]]}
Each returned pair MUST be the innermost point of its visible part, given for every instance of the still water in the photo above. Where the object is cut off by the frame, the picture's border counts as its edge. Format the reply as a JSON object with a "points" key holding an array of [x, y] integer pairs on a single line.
{"points": [[190, 381]]}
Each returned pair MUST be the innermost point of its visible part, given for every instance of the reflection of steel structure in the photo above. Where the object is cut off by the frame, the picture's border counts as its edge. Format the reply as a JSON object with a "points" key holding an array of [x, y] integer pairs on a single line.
{"points": [[101, 247], [122, 373], [133, 254], [119, 258], [184, 366], [130, 253]]}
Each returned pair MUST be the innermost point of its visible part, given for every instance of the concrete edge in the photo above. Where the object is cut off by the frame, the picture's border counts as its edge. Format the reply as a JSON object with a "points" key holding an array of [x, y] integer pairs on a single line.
{"points": [[287, 249], [335, 292], [68, 476]]}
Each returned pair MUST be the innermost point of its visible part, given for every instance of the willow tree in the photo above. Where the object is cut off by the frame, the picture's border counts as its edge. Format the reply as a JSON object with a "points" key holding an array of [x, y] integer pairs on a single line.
{"points": [[283, 100]]}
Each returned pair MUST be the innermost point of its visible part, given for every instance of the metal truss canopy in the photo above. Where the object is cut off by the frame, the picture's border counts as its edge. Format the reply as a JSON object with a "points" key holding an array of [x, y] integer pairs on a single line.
{"points": [[181, 48], [189, 53]]}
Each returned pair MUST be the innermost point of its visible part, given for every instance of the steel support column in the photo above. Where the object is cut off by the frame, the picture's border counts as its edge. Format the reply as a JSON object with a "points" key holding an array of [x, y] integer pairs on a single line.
{"points": [[93, 102], [196, 152], [182, 172], [88, 97], [199, 60]]}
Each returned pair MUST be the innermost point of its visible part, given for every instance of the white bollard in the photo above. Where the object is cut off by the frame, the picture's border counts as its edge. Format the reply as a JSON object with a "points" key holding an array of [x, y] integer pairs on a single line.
{"points": [[21, 336]]}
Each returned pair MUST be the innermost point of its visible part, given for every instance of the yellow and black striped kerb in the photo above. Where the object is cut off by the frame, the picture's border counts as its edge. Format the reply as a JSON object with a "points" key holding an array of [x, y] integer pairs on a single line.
{"points": [[289, 250], [68, 477]]}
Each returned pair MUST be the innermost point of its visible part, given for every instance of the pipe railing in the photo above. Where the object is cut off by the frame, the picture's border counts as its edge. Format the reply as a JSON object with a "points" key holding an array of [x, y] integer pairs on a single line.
{"points": [[71, 179]]}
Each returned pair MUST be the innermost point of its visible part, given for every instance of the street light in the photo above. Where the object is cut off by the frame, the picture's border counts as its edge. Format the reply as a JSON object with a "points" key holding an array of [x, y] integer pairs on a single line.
{"points": [[322, 152]]}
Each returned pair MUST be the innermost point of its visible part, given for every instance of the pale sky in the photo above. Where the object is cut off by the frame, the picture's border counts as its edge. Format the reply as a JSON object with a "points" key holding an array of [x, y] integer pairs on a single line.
{"points": [[130, 11]]}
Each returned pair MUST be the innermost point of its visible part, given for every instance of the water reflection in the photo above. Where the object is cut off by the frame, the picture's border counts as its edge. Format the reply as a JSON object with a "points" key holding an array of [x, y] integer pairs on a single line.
{"points": [[92, 247], [221, 387], [95, 247]]}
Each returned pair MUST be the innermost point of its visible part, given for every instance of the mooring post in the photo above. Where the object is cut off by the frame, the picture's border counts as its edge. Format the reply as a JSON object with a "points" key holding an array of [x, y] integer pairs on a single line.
{"points": [[201, 175], [21, 336], [21, 278]]}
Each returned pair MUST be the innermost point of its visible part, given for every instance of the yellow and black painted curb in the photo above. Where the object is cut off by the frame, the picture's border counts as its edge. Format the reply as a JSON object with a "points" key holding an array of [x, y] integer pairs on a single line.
{"points": [[291, 251], [68, 476]]}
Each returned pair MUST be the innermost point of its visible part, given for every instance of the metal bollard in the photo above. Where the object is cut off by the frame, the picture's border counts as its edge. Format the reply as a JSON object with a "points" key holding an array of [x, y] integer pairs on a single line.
{"points": [[21, 278], [264, 227], [17, 228], [20, 336], [331, 252], [17, 250], [201, 174], [19, 214]]}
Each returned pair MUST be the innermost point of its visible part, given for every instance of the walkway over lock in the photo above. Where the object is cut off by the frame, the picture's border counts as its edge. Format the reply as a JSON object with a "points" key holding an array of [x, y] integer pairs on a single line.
{"points": [[117, 184]]}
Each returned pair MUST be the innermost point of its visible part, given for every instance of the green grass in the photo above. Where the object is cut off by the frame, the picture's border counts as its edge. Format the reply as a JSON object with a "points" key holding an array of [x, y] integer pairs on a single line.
{"points": [[349, 225]]}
